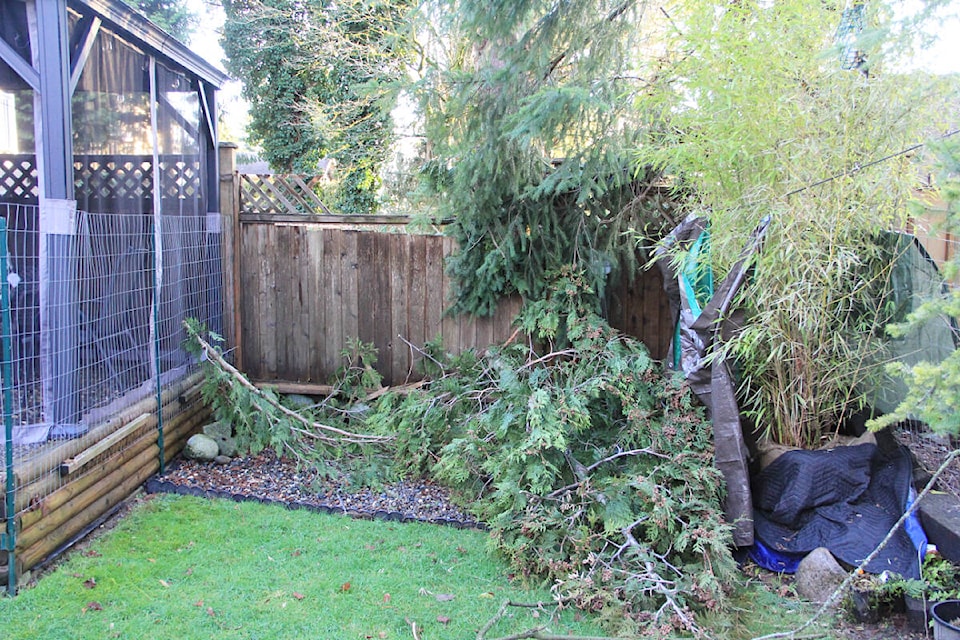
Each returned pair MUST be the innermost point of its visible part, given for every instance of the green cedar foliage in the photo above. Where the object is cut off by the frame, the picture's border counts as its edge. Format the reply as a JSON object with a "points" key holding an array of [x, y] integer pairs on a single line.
{"points": [[594, 472], [173, 16], [758, 117], [318, 75], [528, 108]]}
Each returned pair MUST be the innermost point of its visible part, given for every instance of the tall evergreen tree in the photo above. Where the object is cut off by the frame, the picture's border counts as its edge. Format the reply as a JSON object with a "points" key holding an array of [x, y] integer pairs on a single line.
{"points": [[530, 109], [317, 74], [173, 16]]}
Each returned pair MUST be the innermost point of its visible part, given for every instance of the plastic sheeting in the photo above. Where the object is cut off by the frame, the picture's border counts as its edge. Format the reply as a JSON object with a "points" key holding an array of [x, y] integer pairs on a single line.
{"points": [[699, 327]]}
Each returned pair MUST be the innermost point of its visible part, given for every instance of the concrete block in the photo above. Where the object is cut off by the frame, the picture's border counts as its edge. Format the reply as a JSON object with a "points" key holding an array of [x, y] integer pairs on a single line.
{"points": [[940, 517]]}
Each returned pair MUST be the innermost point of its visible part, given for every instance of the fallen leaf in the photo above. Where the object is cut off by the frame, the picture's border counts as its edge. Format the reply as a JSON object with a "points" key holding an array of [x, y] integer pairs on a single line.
{"points": [[298, 595], [369, 547], [382, 635], [198, 603], [90, 583], [189, 571], [443, 619], [445, 597], [77, 575], [90, 553], [93, 606], [486, 594], [345, 586], [296, 552], [211, 612], [165, 584], [151, 559], [386, 597]]}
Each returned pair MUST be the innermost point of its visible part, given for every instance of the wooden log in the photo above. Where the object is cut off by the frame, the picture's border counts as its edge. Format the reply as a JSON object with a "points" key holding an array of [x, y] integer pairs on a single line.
{"points": [[75, 495], [52, 521], [85, 457], [30, 470], [55, 530], [56, 499], [73, 521], [43, 484]]}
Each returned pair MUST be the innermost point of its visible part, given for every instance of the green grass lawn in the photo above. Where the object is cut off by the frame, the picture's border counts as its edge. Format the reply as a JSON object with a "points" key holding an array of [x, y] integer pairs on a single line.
{"points": [[180, 567]]}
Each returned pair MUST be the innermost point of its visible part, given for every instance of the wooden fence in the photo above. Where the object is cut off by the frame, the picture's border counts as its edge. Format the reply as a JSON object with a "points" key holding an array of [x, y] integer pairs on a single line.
{"points": [[301, 287]]}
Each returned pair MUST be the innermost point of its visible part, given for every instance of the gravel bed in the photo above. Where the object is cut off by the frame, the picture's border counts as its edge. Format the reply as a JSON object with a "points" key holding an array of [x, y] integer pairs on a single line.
{"points": [[269, 479]]}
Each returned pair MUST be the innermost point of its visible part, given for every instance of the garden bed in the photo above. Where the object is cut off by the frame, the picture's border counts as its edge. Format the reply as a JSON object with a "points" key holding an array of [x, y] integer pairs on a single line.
{"points": [[269, 479]]}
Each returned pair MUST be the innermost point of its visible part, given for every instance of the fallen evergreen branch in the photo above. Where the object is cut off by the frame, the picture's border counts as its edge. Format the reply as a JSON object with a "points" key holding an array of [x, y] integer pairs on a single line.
{"points": [[593, 470], [258, 416]]}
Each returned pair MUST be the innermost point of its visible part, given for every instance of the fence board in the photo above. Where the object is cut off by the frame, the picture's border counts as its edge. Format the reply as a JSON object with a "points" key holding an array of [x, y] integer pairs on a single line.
{"points": [[331, 300], [400, 305]]}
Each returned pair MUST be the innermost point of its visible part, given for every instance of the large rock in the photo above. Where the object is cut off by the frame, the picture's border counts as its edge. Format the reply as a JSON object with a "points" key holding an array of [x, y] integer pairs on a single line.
{"points": [[221, 432], [201, 447], [819, 575]]}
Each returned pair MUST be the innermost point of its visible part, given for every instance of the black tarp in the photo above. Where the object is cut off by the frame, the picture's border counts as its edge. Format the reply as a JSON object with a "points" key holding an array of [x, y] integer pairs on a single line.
{"points": [[845, 499]]}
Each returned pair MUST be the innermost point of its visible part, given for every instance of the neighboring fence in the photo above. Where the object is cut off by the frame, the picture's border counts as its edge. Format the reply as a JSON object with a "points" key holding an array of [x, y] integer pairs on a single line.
{"points": [[301, 287], [98, 392]]}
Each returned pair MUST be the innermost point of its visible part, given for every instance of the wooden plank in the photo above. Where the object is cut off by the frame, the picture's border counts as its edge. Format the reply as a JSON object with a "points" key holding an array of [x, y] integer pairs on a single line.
{"points": [[416, 332], [313, 311], [435, 297], [398, 273], [331, 300], [82, 459], [374, 298], [450, 325], [286, 386], [350, 287], [278, 256], [267, 303], [250, 299], [370, 222]]}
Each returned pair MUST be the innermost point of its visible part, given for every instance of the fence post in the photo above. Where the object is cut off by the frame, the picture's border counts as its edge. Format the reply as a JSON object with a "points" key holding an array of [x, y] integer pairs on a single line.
{"points": [[9, 538], [230, 212]]}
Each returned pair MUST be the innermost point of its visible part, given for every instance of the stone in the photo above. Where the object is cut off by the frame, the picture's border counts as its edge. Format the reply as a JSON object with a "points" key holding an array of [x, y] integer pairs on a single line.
{"points": [[819, 575], [217, 430], [223, 459], [940, 516], [221, 432], [201, 447]]}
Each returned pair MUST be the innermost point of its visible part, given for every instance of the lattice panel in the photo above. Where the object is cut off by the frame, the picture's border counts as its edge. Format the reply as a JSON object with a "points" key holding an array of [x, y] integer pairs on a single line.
{"points": [[18, 179], [113, 178], [289, 193], [180, 179]]}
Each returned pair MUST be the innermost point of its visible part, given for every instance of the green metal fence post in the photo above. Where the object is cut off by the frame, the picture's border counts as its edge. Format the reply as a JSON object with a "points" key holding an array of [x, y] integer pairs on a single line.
{"points": [[9, 539]]}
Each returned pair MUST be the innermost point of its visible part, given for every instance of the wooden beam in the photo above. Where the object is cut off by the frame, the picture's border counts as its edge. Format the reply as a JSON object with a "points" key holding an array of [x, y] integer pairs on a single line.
{"points": [[72, 465]]}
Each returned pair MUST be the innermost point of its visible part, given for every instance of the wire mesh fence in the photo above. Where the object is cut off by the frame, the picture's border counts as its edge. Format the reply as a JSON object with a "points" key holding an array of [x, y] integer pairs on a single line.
{"points": [[97, 343]]}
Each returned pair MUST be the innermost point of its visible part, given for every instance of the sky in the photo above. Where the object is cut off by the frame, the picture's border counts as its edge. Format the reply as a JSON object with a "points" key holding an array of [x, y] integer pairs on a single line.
{"points": [[942, 58]]}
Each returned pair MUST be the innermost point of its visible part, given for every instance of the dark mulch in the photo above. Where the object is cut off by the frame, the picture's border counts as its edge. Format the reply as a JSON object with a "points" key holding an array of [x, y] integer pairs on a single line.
{"points": [[269, 479]]}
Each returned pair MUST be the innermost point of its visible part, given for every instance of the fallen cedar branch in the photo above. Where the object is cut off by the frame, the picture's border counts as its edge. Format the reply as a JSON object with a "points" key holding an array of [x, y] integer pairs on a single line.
{"points": [[537, 633], [312, 429]]}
